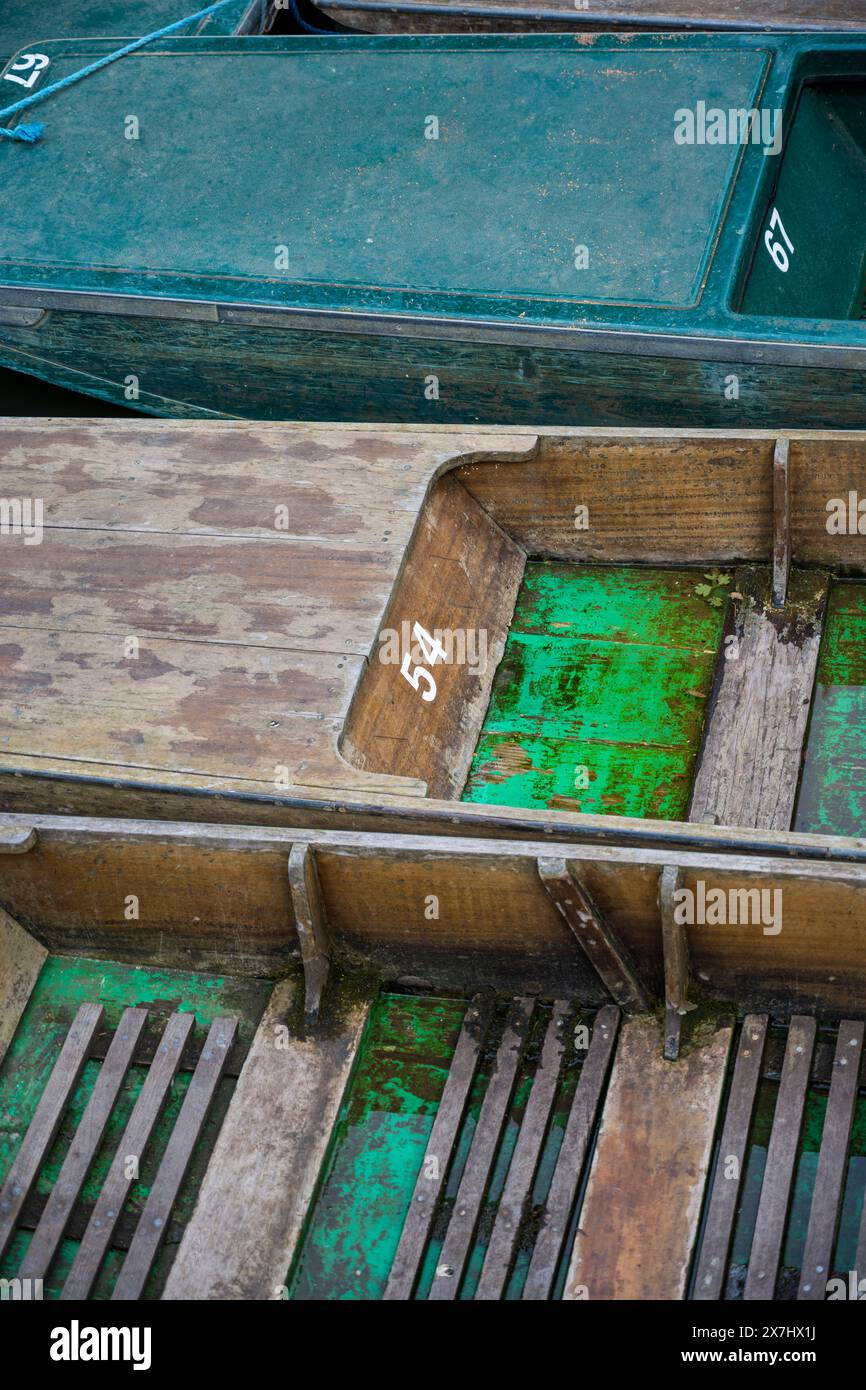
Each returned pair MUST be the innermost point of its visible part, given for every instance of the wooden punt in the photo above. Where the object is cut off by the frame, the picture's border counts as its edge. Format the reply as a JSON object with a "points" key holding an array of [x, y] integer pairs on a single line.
{"points": [[436, 255], [653, 637], [557, 16], [363, 1066]]}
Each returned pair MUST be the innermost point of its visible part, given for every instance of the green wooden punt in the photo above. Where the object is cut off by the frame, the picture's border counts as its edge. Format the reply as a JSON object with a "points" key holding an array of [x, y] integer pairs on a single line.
{"points": [[508, 228]]}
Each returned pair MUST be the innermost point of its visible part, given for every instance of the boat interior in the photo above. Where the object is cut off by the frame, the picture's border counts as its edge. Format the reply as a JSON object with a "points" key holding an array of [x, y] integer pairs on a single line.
{"points": [[289, 624], [356, 1066]]}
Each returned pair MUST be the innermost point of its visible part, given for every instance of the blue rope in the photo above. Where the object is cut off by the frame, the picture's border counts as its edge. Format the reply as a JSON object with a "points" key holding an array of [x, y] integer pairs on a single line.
{"points": [[33, 132]]}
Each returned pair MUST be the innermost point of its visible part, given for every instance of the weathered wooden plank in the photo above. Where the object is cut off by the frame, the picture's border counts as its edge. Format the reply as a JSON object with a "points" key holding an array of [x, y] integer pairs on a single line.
{"points": [[605, 953], [43, 1128], [550, 1239], [524, 1161], [433, 1175], [85, 1145], [242, 1234], [731, 1159], [16, 839], [832, 1164], [753, 745], [781, 523], [311, 923], [21, 958], [781, 1160], [640, 1215], [136, 1138], [675, 947], [482, 1152], [154, 1219]]}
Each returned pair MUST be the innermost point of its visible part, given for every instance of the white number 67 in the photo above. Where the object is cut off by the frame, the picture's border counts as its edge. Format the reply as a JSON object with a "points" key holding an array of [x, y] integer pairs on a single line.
{"points": [[775, 248], [31, 63]]}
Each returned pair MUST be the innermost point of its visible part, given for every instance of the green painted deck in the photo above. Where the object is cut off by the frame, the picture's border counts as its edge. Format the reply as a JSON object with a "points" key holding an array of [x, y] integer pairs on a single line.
{"points": [[28, 23], [599, 701], [65, 983], [378, 1146], [832, 796]]}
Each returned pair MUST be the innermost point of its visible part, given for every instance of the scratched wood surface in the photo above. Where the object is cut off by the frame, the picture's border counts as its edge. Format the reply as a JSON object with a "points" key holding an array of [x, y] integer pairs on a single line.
{"points": [[639, 1220]]}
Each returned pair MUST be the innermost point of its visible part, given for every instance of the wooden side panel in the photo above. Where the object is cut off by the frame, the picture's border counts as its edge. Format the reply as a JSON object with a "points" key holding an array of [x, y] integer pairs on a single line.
{"points": [[653, 501], [639, 1220], [21, 957], [823, 475], [461, 576], [242, 1235]]}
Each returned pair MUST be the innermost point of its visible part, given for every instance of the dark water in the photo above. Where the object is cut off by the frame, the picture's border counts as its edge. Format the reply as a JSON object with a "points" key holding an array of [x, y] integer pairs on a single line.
{"points": [[26, 395]]}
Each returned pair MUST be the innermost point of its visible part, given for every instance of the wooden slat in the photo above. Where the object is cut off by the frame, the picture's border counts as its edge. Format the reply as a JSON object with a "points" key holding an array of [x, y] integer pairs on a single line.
{"points": [[675, 946], [781, 523], [731, 1160], [482, 1153], [832, 1164], [21, 959], [572, 1155], [753, 745], [597, 940], [311, 923], [406, 1264], [42, 1130], [524, 1162], [136, 1136], [84, 1146], [640, 1215], [781, 1161], [154, 1219], [246, 1224]]}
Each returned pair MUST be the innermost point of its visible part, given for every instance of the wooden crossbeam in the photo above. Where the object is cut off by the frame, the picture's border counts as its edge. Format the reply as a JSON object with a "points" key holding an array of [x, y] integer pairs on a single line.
{"points": [[781, 1160], [675, 947], [482, 1152], [832, 1164], [731, 1162], [525, 1159], [84, 1147], [42, 1130], [154, 1219], [595, 936], [550, 1240], [406, 1264], [311, 922], [17, 839], [130, 1152]]}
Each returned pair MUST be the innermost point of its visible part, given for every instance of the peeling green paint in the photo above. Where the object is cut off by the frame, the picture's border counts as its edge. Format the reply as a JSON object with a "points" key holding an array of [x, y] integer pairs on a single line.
{"points": [[832, 795], [64, 983], [604, 680]]}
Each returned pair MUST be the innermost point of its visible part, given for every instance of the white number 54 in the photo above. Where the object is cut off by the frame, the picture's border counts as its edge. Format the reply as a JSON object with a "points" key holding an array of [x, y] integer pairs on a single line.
{"points": [[775, 248], [432, 650], [32, 64]]}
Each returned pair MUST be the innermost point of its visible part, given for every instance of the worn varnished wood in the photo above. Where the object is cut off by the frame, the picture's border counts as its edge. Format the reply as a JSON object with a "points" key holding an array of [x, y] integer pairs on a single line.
{"points": [[675, 949], [239, 1242], [711, 1273], [524, 1161], [753, 745], [781, 522], [639, 1219], [482, 1152], [153, 1222], [310, 924], [781, 1158], [85, 1145], [830, 1177], [136, 1137], [406, 1265], [43, 1128], [549, 1242], [604, 952], [21, 958]]}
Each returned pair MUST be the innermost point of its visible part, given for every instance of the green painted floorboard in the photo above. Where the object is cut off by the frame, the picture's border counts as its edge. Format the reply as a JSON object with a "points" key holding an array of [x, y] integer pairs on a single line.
{"points": [[64, 983], [832, 796], [598, 704]]}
